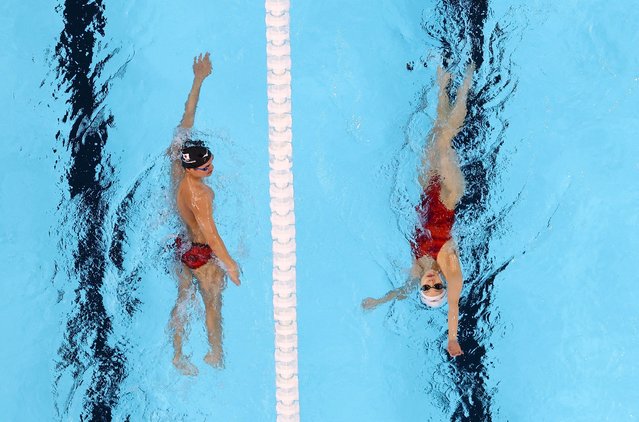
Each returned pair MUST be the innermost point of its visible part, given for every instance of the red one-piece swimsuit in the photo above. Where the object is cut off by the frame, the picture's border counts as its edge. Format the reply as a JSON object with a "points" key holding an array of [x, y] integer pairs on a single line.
{"points": [[435, 223]]}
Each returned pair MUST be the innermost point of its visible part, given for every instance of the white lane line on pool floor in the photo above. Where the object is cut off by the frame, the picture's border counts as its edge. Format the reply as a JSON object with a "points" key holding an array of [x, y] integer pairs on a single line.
{"points": [[278, 62]]}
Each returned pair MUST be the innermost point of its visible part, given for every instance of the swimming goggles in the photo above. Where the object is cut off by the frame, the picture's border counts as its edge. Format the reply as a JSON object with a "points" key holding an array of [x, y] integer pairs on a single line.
{"points": [[426, 287], [203, 168]]}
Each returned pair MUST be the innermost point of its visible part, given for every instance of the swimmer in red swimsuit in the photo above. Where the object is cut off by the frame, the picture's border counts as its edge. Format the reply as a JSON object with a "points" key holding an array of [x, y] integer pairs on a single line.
{"points": [[442, 181], [202, 252]]}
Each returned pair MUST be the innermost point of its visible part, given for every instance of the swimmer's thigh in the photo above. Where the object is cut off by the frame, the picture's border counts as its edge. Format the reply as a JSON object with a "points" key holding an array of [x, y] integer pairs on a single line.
{"points": [[210, 278], [185, 278]]}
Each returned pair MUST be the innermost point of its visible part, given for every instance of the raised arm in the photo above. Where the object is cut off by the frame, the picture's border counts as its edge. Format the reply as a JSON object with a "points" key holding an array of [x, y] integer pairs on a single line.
{"points": [[202, 68], [203, 212], [399, 293]]}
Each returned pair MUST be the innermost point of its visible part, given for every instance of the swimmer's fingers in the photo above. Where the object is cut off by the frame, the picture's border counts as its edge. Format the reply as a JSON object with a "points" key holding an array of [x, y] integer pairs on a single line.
{"points": [[234, 272], [369, 303], [451, 352], [202, 66], [207, 60], [454, 349]]}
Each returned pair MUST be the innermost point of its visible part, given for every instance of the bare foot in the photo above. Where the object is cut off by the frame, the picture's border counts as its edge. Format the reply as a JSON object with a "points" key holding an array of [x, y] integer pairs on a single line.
{"points": [[184, 365], [215, 359]]}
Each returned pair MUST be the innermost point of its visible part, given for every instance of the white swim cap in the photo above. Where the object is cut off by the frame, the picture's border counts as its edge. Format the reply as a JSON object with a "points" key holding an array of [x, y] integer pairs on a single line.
{"points": [[433, 301]]}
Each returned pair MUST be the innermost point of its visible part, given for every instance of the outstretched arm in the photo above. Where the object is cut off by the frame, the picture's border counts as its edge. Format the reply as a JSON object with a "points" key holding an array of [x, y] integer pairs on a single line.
{"points": [[202, 68], [399, 293]]}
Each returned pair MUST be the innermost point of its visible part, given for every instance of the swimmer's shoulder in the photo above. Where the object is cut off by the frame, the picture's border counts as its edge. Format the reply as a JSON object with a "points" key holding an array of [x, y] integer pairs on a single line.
{"points": [[197, 191], [205, 189]]}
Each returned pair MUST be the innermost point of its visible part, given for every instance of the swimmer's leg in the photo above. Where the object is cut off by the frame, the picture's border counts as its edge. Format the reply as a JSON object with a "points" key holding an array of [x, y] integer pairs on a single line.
{"points": [[459, 110], [444, 159], [446, 164], [443, 109], [211, 281], [179, 319], [443, 101]]}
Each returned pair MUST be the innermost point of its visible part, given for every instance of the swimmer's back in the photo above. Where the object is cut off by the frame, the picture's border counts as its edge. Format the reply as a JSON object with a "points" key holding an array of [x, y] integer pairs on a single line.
{"points": [[186, 193]]}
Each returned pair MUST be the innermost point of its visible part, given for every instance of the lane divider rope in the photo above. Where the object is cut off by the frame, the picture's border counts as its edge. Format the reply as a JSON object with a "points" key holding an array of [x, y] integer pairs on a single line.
{"points": [[278, 62]]}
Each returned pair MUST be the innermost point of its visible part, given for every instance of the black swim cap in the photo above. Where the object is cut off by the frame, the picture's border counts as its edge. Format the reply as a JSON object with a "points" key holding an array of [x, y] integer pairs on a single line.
{"points": [[195, 154]]}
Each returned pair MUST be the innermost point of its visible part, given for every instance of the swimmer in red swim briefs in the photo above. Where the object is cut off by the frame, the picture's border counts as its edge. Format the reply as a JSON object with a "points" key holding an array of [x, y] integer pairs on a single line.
{"points": [[434, 250], [201, 251]]}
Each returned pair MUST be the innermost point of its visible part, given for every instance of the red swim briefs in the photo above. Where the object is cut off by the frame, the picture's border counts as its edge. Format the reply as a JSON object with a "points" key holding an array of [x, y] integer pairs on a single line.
{"points": [[194, 256]]}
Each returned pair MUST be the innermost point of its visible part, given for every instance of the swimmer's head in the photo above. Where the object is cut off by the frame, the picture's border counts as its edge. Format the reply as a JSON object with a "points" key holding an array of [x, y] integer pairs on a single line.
{"points": [[432, 291], [197, 159]]}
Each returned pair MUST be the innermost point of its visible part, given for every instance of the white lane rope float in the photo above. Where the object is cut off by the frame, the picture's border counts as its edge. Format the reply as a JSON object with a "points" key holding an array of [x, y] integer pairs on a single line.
{"points": [[278, 62]]}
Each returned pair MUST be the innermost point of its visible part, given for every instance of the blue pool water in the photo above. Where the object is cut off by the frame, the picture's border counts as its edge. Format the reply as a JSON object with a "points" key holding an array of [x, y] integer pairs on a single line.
{"points": [[547, 228]]}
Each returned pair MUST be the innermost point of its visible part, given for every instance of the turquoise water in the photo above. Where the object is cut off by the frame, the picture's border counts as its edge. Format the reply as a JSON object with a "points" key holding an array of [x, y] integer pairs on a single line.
{"points": [[547, 229]]}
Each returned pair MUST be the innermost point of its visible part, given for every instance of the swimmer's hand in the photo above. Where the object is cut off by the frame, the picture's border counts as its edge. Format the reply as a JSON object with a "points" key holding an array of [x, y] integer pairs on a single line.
{"points": [[233, 271], [454, 349], [202, 66], [369, 303]]}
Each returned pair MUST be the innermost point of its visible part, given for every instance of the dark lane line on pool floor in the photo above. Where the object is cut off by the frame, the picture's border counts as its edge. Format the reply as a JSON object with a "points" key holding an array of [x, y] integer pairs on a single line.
{"points": [[96, 366]]}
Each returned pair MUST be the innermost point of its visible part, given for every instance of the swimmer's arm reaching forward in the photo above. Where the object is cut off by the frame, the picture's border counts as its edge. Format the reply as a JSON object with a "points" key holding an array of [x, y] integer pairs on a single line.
{"points": [[399, 293], [202, 68], [203, 213]]}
